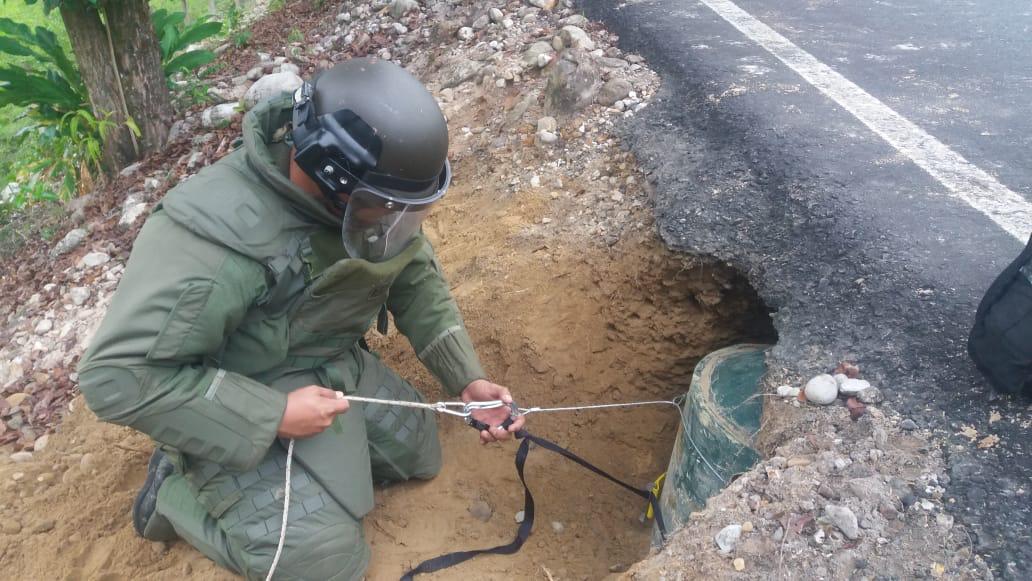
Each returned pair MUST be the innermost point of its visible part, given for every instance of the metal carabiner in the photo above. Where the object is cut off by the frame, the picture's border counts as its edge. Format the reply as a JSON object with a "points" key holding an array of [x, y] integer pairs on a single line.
{"points": [[514, 412]]}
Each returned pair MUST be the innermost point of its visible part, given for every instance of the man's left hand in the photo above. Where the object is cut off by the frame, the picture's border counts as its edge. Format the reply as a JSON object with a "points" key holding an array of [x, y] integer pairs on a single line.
{"points": [[484, 390]]}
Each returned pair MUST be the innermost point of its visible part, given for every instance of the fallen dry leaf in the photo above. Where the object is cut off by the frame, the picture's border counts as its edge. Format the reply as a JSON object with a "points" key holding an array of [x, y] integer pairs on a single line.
{"points": [[969, 432], [988, 441], [994, 416]]}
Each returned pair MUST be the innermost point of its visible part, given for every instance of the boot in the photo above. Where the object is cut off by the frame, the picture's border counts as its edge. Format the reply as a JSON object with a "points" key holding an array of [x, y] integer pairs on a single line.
{"points": [[146, 520]]}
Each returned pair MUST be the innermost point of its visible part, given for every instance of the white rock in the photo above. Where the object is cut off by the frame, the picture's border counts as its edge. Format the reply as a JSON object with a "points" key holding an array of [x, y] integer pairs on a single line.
{"points": [[496, 15], [853, 386], [788, 391], [264, 57], [535, 182], [558, 527], [532, 56], [255, 73], [543, 4], [220, 115], [70, 241], [130, 169], [43, 327], [290, 68], [52, 360], [10, 372], [20, 457], [79, 295], [465, 33], [41, 443], [547, 124], [575, 20], [132, 208], [195, 160], [844, 519], [575, 37], [840, 377], [271, 85], [728, 537], [547, 137], [400, 8], [822, 389], [870, 395], [519, 517]]}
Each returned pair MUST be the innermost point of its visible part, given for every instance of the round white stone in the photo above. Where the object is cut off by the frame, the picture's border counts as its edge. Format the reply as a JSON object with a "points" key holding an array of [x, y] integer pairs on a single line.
{"points": [[822, 389]]}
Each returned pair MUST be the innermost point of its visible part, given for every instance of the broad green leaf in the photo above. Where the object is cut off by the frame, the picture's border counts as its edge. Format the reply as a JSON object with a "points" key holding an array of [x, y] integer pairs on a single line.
{"points": [[189, 61], [198, 32], [13, 47]]}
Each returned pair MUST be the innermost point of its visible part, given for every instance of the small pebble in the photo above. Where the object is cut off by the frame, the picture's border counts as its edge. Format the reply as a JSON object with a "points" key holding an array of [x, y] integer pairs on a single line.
{"points": [[558, 527], [10, 527], [43, 526], [21, 457], [853, 386], [739, 564], [481, 510], [519, 517], [728, 537], [788, 391], [747, 527]]}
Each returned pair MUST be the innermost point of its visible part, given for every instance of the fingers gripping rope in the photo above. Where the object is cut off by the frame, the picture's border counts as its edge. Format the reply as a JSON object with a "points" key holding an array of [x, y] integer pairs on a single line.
{"points": [[465, 411]]}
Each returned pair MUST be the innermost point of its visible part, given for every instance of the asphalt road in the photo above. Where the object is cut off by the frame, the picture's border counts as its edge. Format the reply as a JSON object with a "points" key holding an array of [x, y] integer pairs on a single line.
{"points": [[870, 208]]}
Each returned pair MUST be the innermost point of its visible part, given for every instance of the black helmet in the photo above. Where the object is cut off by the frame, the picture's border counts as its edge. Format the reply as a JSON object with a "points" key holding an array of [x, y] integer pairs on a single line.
{"points": [[369, 130]]}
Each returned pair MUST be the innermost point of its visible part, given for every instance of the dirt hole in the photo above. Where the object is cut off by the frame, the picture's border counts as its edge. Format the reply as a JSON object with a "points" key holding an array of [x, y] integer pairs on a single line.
{"points": [[559, 316], [562, 325]]}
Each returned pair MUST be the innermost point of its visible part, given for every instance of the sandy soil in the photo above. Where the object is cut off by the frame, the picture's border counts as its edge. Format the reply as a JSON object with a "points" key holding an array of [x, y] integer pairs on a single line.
{"points": [[560, 321]]}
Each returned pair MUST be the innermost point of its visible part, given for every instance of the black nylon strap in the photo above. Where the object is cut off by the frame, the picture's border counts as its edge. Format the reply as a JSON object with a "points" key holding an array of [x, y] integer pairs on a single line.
{"points": [[522, 533], [451, 559]]}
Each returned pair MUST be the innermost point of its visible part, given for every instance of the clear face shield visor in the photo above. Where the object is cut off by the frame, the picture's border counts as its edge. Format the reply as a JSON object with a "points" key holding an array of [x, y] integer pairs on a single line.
{"points": [[379, 224]]}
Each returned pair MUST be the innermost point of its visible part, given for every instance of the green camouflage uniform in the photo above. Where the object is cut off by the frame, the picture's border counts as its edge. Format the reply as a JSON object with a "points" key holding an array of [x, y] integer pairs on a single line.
{"points": [[238, 291]]}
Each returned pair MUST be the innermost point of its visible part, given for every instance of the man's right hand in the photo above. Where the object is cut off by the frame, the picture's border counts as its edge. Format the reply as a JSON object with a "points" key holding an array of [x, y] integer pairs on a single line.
{"points": [[310, 410]]}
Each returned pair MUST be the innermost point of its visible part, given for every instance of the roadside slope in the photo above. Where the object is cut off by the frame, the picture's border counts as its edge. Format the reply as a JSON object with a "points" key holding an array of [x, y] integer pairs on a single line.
{"points": [[859, 251]]}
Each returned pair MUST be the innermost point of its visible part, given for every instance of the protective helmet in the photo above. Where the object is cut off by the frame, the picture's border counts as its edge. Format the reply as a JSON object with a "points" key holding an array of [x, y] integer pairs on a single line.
{"points": [[375, 141]]}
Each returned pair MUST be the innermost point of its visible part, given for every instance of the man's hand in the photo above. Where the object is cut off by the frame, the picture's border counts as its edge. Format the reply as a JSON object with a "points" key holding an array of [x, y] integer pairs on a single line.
{"points": [[310, 410], [484, 390]]}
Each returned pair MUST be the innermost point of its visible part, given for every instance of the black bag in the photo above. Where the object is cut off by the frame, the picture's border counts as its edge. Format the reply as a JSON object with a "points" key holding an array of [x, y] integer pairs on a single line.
{"points": [[1001, 340]]}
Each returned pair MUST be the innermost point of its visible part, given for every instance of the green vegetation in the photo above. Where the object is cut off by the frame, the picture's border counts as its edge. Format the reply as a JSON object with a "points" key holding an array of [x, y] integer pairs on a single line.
{"points": [[175, 36], [295, 35], [50, 142]]}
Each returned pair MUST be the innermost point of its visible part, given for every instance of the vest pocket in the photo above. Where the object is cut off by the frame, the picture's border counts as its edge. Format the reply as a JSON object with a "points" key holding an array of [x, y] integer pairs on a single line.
{"points": [[180, 322]]}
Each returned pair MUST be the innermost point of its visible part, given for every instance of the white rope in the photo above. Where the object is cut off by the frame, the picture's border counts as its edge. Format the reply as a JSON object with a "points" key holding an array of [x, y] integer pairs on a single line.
{"points": [[286, 511], [438, 407], [674, 402], [575, 408]]}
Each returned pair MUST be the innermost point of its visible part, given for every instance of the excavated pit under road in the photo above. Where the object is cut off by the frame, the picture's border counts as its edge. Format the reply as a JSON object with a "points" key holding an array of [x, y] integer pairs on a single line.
{"points": [[559, 322]]}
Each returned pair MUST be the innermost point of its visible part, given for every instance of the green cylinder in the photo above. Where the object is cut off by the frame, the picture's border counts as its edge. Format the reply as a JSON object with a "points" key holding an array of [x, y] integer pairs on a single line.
{"points": [[715, 441]]}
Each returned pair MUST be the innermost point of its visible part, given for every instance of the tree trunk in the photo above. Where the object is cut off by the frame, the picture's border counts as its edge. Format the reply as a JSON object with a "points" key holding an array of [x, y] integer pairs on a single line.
{"points": [[186, 12], [212, 8], [137, 57], [88, 37]]}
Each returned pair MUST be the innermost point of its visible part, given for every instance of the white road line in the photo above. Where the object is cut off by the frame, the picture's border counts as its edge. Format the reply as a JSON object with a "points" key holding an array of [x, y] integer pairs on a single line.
{"points": [[960, 177]]}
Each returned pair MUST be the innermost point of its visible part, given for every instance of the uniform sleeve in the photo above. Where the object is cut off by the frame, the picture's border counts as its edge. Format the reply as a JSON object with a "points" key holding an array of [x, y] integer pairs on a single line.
{"points": [[152, 364], [426, 313]]}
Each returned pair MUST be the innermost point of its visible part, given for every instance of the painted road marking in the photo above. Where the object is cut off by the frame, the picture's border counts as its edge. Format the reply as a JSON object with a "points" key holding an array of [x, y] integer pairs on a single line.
{"points": [[963, 179]]}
